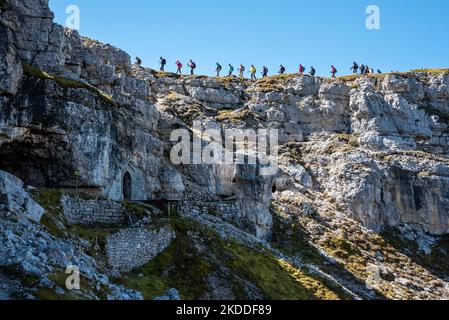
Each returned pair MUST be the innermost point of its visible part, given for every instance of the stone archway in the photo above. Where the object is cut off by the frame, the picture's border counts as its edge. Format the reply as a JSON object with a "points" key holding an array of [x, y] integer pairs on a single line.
{"points": [[127, 187]]}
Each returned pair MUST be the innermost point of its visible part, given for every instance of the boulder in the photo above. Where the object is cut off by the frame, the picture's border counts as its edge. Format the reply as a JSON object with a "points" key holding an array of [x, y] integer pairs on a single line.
{"points": [[14, 200]]}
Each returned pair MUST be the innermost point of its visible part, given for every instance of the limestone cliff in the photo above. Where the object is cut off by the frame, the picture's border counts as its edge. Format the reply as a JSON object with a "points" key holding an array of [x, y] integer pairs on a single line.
{"points": [[357, 154]]}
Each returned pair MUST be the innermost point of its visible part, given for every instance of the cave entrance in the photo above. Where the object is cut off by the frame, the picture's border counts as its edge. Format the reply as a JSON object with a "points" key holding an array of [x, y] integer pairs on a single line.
{"points": [[127, 187]]}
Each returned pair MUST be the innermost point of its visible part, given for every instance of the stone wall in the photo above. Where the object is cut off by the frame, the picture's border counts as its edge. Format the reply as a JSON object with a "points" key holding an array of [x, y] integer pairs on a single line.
{"points": [[134, 247], [229, 210], [224, 209], [93, 212]]}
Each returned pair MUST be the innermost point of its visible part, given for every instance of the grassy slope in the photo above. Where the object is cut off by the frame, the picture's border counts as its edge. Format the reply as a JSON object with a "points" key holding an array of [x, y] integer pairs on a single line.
{"points": [[184, 266]]}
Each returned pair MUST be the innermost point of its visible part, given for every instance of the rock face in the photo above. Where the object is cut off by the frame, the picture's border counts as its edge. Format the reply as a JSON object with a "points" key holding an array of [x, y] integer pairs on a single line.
{"points": [[14, 200], [376, 146]]}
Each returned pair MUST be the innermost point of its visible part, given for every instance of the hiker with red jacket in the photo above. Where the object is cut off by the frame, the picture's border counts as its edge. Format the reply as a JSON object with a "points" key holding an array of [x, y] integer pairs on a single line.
{"points": [[333, 71], [301, 69], [192, 66], [179, 66]]}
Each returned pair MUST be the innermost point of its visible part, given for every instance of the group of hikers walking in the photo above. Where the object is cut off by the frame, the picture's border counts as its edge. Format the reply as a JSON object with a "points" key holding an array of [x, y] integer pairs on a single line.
{"points": [[364, 69]]}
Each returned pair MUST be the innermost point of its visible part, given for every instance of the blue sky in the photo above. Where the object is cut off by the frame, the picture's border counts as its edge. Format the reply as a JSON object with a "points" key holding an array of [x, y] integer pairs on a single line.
{"points": [[413, 34]]}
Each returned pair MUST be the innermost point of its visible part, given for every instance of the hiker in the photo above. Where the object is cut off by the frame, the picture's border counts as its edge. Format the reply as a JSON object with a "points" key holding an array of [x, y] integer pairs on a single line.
{"points": [[218, 69], [179, 66], [138, 61], [379, 72], [371, 70], [253, 71], [241, 71], [264, 72], [282, 69], [301, 69], [333, 71], [231, 70], [192, 66], [362, 69], [366, 69], [162, 62], [312, 71], [355, 67]]}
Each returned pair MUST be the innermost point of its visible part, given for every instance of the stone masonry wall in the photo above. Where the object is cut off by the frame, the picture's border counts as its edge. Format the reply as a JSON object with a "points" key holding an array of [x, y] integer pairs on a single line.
{"points": [[226, 210], [93, 212], [134, 247]]}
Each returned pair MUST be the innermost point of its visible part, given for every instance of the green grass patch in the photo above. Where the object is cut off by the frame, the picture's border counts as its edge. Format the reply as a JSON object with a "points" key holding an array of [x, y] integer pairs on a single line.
{"points": [[233, 115], [164, 74], [431, 71], [53, 218], [138, 210], [181, 266]]}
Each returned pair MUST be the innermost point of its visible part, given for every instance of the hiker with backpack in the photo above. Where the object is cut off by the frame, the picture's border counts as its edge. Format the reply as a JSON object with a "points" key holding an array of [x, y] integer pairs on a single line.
{"points": [[179, 66], [333, 71], [231, 70], [162, 62], [362, 69], [253, 71], [301, 69], [218, 69], [367, 69], [138, 62], [355, 67], [241, 71], [264, 72], [282, 69], [192, 66], [312, 71]]}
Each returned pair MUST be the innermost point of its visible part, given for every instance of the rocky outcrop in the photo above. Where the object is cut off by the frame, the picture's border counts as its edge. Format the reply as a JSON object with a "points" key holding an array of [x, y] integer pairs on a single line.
{"points": [[15, 201], [34, 254]]}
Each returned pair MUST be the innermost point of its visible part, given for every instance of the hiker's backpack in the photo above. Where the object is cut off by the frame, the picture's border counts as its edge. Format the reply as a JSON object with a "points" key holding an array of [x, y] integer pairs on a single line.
{"points": [[219, 67], [193, 65], [163, 61]]}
